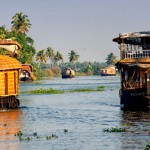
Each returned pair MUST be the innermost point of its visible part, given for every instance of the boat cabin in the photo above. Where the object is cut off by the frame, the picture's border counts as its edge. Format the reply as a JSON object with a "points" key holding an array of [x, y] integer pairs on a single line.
{"points": [[134, 66], [108, 71], [9, 75], [26, 73]]}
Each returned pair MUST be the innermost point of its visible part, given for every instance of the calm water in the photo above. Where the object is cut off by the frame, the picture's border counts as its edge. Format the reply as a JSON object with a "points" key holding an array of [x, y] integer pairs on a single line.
{"points": [[84, 115]]}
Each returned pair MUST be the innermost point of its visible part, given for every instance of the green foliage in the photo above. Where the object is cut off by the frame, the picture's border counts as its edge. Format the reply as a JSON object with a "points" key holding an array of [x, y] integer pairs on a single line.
{"points": [[114, 129], [20, 23], [73, 56], [111, 59], [82, 90], [147, 146], [101, 88], [45, 91]]}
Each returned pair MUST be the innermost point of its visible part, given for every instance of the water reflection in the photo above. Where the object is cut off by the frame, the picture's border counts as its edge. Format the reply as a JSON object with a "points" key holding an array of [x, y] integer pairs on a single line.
{"points": [[137, 134], [10, 123]]}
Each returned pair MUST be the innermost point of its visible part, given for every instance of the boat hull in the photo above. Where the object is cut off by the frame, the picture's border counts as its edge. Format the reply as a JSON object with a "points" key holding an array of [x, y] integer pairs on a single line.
{"points": [[134, 99], [102, 74], [9, 102]]}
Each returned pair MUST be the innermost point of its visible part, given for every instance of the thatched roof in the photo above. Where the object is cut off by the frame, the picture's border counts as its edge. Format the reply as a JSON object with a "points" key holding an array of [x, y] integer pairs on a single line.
{"points": [[7, 63]]}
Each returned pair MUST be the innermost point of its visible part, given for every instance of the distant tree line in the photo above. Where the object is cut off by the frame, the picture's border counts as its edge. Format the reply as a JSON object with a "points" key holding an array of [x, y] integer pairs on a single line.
{"points": [[47, 62]]}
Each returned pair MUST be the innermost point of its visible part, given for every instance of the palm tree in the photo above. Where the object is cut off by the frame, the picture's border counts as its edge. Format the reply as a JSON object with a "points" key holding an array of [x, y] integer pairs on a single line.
{"points": [[40, 57], [111, 59], [58, 57], [73, 57], [20, 23], [50, 53]]}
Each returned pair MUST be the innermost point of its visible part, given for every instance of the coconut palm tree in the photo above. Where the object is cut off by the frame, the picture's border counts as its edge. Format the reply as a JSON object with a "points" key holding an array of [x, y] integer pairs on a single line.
{"points": [[20, 23], [73, 58], [111, 59], [50, 53], [58, 58], [40, 57]]}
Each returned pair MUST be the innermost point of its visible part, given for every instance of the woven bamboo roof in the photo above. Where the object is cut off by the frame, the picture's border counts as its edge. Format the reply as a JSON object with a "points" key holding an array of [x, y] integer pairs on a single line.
{"points": [[7, 63]]}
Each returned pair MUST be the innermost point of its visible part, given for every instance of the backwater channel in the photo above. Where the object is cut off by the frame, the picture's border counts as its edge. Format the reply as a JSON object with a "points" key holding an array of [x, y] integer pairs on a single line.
{"points": [[76, 120]]}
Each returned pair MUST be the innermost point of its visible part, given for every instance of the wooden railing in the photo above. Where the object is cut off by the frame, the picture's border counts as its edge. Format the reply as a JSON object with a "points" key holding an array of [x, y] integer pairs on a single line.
{"points": [[137, 54]]}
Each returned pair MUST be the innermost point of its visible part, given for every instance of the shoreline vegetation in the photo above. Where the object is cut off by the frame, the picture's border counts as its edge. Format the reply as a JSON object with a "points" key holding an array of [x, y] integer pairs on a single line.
{"points": [[54, 91]]}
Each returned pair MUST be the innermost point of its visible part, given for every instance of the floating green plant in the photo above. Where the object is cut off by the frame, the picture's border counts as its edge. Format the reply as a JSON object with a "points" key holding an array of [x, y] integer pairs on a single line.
{"points": [[101, 88], [115, 129], [48, 137], [65, 130], [147, 146], [82, 90], [19, 133], [45, 91], [25, 139]]}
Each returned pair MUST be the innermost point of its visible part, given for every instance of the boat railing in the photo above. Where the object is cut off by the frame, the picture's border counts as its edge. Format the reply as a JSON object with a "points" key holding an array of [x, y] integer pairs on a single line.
{"points": [[137, 54]]}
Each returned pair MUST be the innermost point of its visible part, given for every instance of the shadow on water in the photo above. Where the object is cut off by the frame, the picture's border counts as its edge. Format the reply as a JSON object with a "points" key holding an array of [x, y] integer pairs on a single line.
{"points": [[137, 125]]}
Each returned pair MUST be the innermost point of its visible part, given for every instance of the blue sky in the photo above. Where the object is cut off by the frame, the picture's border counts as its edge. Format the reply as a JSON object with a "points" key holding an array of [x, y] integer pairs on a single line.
{"points": [[85, 26]]}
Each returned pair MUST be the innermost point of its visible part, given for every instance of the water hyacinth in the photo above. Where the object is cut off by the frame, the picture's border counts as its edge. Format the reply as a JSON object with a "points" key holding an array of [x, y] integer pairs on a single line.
{"points": [[114, 129]]}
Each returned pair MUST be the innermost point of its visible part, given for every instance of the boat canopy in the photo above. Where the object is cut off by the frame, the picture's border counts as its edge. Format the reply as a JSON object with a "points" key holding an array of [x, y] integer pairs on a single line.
{"points": [[135, 38], [10, 45]]}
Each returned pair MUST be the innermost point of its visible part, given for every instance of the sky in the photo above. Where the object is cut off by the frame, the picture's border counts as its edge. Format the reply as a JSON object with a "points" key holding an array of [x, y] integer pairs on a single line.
{"points": [[85, 26]]}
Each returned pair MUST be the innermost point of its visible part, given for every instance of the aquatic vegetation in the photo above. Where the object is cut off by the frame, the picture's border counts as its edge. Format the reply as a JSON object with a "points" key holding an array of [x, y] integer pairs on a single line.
{"points": [[114, 129], [48, 137], [23, 137], [19, 133], [54, 91], [35, 134], [65, 130], [45, 91], [82, 90], [101, 88], [147, 146]]}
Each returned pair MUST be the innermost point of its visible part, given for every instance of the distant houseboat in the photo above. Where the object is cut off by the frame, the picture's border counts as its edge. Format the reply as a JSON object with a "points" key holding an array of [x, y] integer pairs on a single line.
{"points": [[134, 65], [26, 73], [108, 71], [9, 75], [68, 73]]}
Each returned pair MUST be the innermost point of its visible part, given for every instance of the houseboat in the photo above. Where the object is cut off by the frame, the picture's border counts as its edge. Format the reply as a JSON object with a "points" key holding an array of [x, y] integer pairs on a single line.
{"points": [[9, 75], [108, 71], [134, 66], [68, 73], [26, 73]]}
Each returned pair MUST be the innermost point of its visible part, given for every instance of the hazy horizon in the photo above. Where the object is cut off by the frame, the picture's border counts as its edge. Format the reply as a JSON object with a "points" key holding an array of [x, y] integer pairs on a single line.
{"points": [[85, 26]]}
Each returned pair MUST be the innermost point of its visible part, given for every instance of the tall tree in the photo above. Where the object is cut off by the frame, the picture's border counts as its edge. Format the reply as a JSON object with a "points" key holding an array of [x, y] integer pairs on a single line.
{"points": [[50, 53], [73, 58], [58, 57], [20, 23], [3, 32], [111, 59], [40, 57]]}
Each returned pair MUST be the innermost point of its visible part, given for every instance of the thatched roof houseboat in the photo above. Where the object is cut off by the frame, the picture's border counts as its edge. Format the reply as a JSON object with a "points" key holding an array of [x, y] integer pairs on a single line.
{"points": [[108, 71], [68, 73], [26, 73], [9, 75]]}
